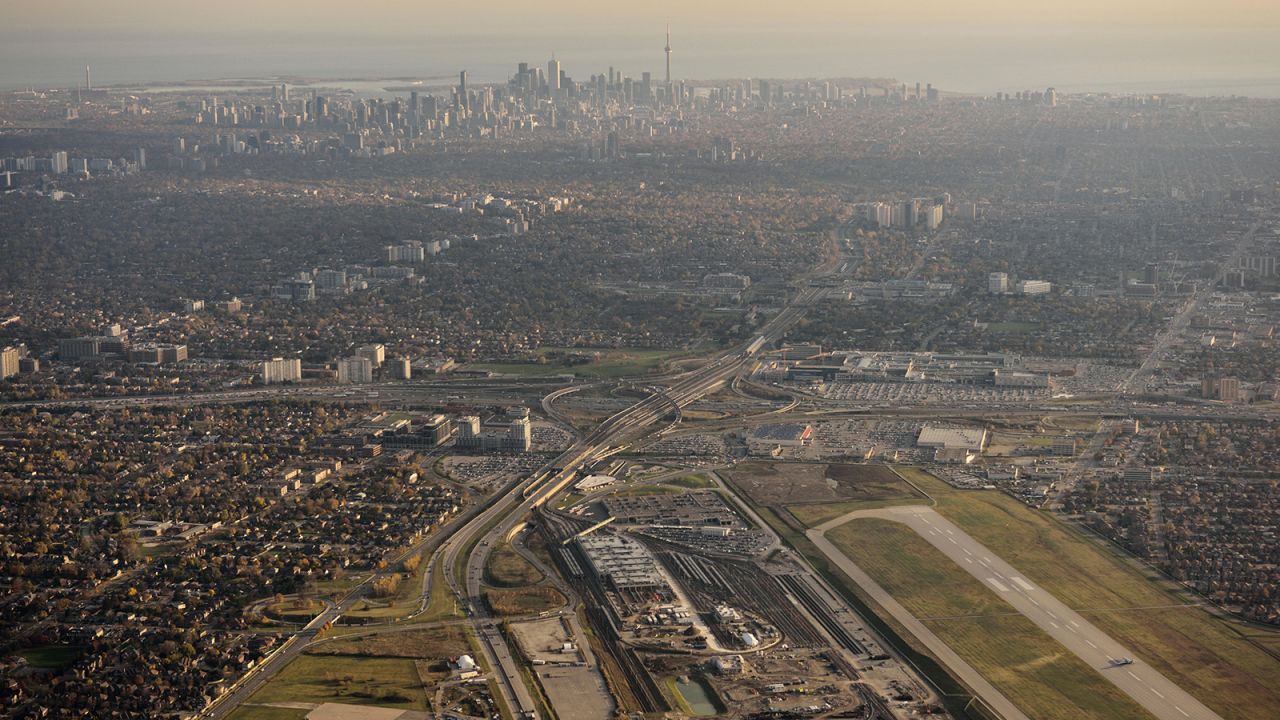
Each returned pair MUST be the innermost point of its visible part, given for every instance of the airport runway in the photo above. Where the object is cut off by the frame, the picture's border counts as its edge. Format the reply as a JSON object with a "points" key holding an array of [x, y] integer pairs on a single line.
{"points": [[1138, 680]]}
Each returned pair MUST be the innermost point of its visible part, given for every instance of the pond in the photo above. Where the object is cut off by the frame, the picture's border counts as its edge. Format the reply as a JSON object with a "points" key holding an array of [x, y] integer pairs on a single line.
{"points": [[699, 696]]}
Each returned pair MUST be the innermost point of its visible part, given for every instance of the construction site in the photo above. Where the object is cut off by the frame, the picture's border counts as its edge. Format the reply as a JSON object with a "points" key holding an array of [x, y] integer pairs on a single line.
{"points": [[687, 618]]}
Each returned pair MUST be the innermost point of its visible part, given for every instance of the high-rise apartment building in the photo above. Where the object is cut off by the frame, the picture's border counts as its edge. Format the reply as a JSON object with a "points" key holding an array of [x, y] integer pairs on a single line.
{"points": [[280, 370], [376, 353], [355, 370], [998, 283], [9, 358]]}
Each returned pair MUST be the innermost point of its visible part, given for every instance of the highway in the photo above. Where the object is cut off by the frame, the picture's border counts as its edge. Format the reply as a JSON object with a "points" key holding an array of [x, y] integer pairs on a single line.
{"points": [[613, 434], [1160, 696], [476, 534]]}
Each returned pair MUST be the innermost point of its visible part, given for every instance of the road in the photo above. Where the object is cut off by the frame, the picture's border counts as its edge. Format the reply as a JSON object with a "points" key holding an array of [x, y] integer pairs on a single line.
{"points": [[1173, 331], [1159, 695], [476, 535], [612, 435]]}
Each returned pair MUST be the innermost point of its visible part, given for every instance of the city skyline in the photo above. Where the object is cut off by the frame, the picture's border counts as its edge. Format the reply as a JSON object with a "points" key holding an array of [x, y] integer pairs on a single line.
{"points": [[981, 48]]}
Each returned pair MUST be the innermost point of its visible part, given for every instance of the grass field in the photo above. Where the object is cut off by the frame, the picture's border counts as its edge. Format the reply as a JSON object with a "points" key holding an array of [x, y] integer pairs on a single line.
{"points": [[632, 490], [506, 568], [404, 601], [1020, 659], [613, 363], [1013, 327], [524, 601], [778, 484], [697, 481], [358, 680], [815, 514], [262, 712], [1208, 657], [51, 657], [437, 643]]}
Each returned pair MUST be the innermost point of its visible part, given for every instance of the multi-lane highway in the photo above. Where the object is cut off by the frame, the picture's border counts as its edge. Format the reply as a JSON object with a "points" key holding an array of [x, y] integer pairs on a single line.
{"points": [[616, 432], [475, 535]]}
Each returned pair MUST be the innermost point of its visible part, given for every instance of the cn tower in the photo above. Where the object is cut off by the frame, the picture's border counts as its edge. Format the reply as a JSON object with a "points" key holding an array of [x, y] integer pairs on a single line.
{"points": [[668, 51]]}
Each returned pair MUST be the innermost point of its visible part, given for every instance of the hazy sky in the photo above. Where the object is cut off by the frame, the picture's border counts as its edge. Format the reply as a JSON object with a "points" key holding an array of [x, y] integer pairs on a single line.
{"points": [[1199, 46], [401, 16]]}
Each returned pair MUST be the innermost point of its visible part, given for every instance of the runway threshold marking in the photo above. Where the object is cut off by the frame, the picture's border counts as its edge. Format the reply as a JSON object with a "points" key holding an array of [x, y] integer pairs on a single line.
{"points": [[998, 585], [1023, 584]]}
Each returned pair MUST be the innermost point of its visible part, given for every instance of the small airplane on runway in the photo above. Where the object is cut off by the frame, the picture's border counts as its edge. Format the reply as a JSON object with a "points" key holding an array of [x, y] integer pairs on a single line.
{"points": [[1120, 662]]}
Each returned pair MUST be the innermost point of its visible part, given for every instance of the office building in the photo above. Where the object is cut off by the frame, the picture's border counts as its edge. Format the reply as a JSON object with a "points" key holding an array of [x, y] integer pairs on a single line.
{"points": [[553, 76], [157, 353], [1034, 287], [998, 283], [516, 437], [79, 348], [281, 370], [519, 435]]}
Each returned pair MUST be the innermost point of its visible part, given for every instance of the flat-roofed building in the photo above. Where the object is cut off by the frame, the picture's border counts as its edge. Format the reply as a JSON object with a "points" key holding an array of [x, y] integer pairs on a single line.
{"points": [[931, 436], [9, 358], [280, 370], [356, 370]]}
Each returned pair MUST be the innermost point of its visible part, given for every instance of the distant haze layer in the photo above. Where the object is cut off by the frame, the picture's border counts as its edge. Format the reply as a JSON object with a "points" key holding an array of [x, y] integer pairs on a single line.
{"points": [[983, 46]]}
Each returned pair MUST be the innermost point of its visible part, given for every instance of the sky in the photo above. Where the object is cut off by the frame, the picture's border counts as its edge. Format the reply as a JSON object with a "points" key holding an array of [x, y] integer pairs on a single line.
{"points": [[967, 45], [396, 16]]}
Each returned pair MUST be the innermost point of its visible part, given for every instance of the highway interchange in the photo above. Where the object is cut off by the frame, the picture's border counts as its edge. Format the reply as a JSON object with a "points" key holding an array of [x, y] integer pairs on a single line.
{"points": [[466, 541]]}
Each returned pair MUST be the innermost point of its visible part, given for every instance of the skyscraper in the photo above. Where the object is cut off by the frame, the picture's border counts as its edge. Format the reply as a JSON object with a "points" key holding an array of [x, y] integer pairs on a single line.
{"points": [[88, 79], [553, 74]]}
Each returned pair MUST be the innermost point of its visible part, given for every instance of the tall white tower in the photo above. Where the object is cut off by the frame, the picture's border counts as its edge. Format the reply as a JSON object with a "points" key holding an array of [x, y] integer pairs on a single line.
{"points": [[668, 51]]}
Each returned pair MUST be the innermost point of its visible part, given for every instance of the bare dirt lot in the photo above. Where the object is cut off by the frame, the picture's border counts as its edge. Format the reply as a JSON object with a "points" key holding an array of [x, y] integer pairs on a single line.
{"points": [[776, 484]]}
